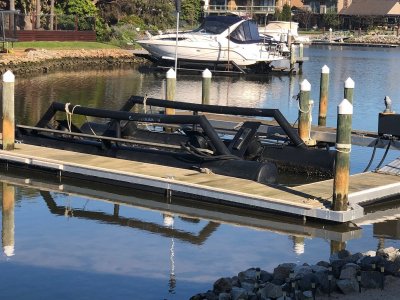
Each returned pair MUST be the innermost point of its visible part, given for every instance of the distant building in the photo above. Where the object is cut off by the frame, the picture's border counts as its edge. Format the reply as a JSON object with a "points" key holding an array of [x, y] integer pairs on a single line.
{"points": [[260, 10], [370, 13]]}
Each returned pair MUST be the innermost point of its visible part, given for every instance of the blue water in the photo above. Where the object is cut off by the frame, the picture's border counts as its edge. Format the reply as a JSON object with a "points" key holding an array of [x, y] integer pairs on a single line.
{"points": [[65, 254]]}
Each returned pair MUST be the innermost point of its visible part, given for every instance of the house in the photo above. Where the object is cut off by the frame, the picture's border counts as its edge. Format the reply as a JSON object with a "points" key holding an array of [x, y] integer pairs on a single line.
{"points": [[260, 10], [324, 6], [367, 13]]}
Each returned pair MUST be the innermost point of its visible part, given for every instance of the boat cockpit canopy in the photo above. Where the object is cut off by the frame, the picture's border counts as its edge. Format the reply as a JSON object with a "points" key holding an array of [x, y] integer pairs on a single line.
{"points": [[246, 32], [217, 24]]}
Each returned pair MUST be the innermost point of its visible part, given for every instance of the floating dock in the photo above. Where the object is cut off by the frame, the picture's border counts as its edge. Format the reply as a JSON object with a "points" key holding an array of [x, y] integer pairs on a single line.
{"points": [[307, 201]]}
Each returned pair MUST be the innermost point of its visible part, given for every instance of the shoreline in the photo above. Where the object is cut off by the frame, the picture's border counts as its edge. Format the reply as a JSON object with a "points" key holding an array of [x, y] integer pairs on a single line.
{"points": [[22, 62], [346, 276]]}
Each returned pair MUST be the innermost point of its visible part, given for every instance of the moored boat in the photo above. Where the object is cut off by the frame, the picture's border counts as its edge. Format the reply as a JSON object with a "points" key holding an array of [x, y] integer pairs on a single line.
{"points": [[220, 40]]}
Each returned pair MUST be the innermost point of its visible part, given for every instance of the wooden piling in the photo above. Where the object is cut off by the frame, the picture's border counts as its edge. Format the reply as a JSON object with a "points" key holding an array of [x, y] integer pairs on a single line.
{"points": [[170, 90], [342, 162], [301, 51], [323, 96], [305, 112], [349, 89], [8, 224], [292, 57], [8, 124], [206, 86]]}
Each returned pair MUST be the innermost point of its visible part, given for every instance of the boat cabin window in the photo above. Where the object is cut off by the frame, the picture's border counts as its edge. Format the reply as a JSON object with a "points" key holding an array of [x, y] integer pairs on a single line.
{"points": [[217, 24], [247, 32]]}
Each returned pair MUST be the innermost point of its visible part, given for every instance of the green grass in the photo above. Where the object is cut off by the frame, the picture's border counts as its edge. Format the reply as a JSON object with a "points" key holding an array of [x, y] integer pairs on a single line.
{"points": [[63, 45]]}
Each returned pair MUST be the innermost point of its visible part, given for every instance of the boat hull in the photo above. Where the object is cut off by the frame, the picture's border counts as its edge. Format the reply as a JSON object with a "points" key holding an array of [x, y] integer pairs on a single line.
{"points": [[213, 52]]}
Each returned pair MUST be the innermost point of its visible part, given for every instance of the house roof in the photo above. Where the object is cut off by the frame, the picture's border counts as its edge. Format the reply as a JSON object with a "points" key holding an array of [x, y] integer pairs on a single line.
{"points": [[372, 8]]}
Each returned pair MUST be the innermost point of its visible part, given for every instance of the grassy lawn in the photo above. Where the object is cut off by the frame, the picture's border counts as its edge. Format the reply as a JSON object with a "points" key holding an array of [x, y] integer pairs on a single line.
{"points": [[63, 45]]}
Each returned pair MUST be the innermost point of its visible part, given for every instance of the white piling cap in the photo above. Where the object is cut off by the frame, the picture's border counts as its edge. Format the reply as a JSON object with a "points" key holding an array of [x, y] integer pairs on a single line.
{"points": [[206, 73], [305, 86], [168, 221], [171, 73], [8, 76], [349, 83], [325, 69], [9, 250], [345, 108]]}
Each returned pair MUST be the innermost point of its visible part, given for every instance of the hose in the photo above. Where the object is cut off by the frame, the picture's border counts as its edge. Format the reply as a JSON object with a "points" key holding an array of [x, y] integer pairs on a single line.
{"points": [[384, 155], [372, 156]]}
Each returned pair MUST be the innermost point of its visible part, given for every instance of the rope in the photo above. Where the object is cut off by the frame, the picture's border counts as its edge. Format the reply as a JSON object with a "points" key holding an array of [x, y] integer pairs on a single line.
{"points": [[344, 151], [69, 114]]}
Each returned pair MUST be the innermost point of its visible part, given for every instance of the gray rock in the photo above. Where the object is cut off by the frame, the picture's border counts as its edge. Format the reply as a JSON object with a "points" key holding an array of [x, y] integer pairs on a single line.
{"points": [[318, 268], [323, 263], [305, 283], [270, 291], [238, 293], [265, 276], [307, 295], [284, 298], [371, 279], [222, 285], [323, 282], [282, 271], [370, 253], [300, 271], [337, 267], [235, 281], [390, 253], [342, 254], [367, 261], [248, 286], [224, 296], [354, 258], [248, 275], [205, 296], [347, 286], [349, 271], [392, 267]]}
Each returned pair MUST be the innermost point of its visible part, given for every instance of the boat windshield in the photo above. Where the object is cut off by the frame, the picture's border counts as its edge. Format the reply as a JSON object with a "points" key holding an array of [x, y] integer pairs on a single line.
{"points": [[217, 24], [247, 32]]}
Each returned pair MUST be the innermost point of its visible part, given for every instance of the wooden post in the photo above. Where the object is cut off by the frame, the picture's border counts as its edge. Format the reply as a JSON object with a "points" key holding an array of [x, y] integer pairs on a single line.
{"points": [[206, 85], [301, 51], [349, 89], [8, 225], [323, 96], [292, 57], [342, 161], [170, 90], [8, 124], [305, 112]]}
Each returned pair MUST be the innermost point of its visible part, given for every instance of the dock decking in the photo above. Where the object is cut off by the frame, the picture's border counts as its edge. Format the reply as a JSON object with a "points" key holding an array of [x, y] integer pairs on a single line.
{"points": [[310, 200]]}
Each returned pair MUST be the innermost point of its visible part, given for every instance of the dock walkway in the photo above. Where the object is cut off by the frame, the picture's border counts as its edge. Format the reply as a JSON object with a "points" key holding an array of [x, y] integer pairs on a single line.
{"points": [[310, 200]]}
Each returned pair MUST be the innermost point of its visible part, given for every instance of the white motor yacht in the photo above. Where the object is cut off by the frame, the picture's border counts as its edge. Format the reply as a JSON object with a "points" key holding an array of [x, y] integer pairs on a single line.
{"points": [[220, 40]]}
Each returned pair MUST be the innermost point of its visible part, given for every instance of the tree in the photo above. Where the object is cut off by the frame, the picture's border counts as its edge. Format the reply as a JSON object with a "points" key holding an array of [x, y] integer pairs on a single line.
{"points": [[331, 20], [286, 14], [191, 11]]}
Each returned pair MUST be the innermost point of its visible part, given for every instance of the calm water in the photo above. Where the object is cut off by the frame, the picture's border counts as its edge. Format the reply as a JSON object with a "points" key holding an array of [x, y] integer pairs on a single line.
{"points": [[102, 243]]}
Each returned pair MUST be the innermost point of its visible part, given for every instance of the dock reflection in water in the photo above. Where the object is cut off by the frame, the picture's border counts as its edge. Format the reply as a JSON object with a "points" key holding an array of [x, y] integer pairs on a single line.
{"points": [[180, 222]]}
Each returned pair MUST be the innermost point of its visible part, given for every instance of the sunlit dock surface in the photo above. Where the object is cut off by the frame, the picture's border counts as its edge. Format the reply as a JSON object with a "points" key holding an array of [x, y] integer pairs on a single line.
{"points": [[308, 201]]}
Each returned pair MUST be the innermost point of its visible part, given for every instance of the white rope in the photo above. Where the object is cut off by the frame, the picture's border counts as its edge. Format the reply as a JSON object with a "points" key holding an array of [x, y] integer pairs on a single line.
{"points": [[344, 151], [69, 115]]}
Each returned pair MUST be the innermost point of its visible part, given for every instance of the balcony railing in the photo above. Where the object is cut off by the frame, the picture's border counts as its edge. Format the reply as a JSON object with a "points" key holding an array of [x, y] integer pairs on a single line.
{"points": [[248, 9]]}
